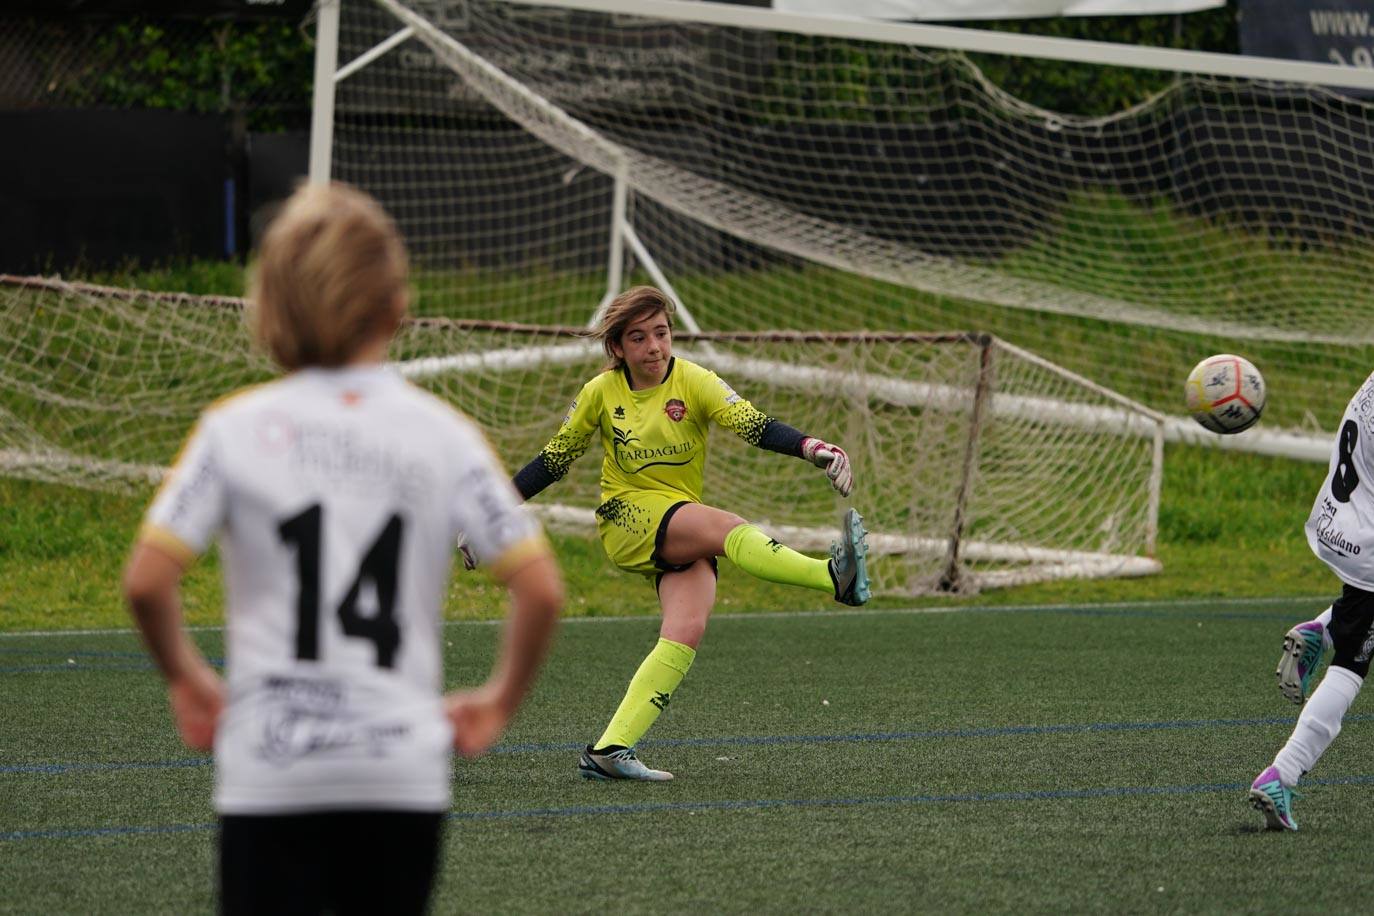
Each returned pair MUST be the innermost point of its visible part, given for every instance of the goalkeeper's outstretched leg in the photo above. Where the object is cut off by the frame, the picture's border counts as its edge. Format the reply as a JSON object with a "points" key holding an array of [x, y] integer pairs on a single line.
{"points": [[696, 531], [690, 536]]}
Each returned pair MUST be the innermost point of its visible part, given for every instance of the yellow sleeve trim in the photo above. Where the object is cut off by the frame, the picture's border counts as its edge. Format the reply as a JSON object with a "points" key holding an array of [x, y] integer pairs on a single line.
{"points": [[168, 543], [520, 554], [223, 399]]}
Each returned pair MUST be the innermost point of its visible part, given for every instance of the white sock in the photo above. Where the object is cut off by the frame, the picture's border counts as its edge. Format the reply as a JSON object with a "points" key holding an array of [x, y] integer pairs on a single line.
{"points": [[1318, 725], [1324, 618]]}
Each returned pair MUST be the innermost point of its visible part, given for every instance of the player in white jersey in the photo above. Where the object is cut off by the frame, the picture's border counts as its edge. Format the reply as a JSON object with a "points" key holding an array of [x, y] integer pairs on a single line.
{"points": [[1340, 531], [339, 494]]}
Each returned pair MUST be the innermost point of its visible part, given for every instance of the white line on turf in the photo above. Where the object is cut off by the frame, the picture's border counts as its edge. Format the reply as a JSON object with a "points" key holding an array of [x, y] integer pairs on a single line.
{"points": [[853, 612]]}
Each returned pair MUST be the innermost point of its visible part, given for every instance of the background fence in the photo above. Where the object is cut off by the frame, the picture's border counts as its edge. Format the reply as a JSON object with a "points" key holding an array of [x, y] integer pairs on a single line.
{"points": [[158, 131]]}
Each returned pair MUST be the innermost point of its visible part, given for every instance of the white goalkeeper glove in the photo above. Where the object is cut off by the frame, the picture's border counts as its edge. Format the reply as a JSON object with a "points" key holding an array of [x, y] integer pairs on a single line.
{"points": [[833, 459], [469, 558]]}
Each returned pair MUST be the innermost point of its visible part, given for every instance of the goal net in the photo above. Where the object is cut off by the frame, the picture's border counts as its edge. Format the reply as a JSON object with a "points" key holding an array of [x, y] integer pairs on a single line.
{"points": [[539, 155], [977, 463]]}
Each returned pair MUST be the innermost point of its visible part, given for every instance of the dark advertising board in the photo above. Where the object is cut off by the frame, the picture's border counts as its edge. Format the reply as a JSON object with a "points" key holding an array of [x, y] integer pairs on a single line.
{"points": [[1339, 32], [177, 9], [561, 54], [100, 188]]}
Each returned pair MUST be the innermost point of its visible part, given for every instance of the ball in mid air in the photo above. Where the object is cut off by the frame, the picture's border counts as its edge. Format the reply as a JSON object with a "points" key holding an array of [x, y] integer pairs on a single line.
{"points": [[1225, 393]]}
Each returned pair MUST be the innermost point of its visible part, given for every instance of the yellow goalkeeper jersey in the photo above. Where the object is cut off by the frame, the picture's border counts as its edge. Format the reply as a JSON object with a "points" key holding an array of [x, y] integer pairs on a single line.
{"points": [[655, 438]]}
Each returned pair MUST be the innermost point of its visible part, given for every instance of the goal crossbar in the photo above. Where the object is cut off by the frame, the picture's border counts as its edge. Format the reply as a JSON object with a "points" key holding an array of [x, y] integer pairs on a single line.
{"points": [[986, 41]]}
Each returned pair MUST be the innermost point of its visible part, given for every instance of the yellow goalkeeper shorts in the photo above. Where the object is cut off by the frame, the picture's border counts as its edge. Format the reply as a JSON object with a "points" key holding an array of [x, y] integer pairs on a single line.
{"points": [[632, 526]]}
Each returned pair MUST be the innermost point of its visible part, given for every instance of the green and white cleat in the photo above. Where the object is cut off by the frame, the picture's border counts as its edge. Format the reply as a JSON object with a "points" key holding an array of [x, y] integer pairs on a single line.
{"points": [[616, 762], [849, 561], [1302, 656]]}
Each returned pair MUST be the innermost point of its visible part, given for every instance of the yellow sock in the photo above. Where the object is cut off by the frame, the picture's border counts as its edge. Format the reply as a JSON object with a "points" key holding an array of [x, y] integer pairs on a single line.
{"points": [[649, 692], [764, 558]]}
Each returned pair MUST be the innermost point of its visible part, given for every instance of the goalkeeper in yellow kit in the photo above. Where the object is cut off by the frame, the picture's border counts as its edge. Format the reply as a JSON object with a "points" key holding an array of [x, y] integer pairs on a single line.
{"points": [[652, 411]]}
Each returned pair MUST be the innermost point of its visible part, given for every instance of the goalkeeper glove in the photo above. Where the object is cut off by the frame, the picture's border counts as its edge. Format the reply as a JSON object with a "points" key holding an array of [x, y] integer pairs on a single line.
{"points": [[833, 459], [469, 558]]}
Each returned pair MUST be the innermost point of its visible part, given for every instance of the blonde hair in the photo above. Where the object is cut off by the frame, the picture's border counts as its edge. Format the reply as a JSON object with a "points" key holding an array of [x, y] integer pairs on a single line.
{"points": [[330, 276], [634, 304]]}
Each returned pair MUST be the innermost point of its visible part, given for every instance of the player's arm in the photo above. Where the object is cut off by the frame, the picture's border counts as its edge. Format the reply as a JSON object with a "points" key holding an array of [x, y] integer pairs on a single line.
{"points": [[571, 441], [535, 588], [504, 536], [186, 512], [762, 431], [152, 591]]}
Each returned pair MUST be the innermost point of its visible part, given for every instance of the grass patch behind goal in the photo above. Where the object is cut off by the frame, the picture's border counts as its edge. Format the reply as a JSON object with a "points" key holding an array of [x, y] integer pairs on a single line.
{"points": [[1230, 525]]}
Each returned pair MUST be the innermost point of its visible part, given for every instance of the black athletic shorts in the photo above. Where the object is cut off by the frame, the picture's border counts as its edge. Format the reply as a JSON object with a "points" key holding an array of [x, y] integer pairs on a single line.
{"points": [[342, 862], [1352, 629], [660, 536]]}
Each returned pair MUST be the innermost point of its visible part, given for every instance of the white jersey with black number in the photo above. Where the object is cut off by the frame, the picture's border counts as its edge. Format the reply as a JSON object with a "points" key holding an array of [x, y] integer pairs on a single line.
{"points": [[338, 496], [1340, 529]]}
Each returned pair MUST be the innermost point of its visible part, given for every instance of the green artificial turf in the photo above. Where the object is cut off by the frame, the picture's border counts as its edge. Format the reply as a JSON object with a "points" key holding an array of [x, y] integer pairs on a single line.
{"points": [[1045, 759]]}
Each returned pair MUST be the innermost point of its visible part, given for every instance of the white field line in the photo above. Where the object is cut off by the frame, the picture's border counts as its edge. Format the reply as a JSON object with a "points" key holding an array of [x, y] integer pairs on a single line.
{"points": [[783, 615]]}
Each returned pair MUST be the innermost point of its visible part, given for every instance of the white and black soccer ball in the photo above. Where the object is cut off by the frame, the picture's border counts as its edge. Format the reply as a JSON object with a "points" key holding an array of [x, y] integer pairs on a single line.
{"points": [[1225, 393]]}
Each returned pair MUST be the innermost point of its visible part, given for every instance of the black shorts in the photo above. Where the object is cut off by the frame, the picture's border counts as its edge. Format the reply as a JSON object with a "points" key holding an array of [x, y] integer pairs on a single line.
{"points": [[657, 559], [329, 861], [1352, 629]]}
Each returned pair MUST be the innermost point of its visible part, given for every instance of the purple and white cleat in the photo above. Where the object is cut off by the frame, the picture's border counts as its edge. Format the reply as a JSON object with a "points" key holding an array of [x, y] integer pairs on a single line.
{"points": [[1274, 800], [1302, 656]]}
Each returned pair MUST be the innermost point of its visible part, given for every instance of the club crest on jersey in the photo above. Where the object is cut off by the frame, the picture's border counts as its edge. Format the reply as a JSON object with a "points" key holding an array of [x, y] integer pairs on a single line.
{"points": [[675, 410]]}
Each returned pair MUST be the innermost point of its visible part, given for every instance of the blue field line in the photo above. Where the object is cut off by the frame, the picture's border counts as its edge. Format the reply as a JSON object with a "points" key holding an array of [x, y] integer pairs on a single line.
{"points": [[82, 832], [934, 734], [73, 653], [744, 804], [69, 661], [854, 801], [57, 769], [1163, 614], [58, 666]]}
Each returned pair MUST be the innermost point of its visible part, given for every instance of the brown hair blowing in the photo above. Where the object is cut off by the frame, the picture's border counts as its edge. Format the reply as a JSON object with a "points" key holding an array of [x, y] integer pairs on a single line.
{"points": [[636, 303], [331, 275]]}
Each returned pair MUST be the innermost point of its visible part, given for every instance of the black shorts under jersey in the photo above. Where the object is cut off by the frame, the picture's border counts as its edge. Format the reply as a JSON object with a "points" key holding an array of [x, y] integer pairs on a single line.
{"points": [[342, 862], [1352, 629]]}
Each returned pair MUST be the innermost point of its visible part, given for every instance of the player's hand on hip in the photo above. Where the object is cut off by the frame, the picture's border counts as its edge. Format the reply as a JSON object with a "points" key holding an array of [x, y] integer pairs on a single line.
{"points": [[478, 718], [833, 459], [197, 699]]}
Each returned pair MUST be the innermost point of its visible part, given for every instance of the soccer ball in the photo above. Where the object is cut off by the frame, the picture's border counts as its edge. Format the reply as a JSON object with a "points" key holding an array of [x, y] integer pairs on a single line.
{"points": [[1225, 393]]}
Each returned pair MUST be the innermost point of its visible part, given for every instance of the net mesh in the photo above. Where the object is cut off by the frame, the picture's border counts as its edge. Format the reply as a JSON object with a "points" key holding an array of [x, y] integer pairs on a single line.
{"points": [[814, 182], [977, 464]]}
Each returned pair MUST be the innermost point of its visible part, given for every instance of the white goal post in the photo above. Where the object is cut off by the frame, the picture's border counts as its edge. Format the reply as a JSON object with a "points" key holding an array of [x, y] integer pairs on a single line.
{"points": [[977, 464]]}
